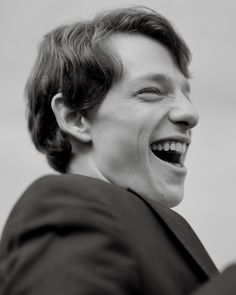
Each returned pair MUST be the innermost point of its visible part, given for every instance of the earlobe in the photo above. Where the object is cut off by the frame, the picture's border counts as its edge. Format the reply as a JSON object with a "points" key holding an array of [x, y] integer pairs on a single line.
{"points": [[69, 121]]}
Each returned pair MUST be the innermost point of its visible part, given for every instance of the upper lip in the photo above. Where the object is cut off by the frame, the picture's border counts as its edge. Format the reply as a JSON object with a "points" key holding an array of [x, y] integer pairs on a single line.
{"points": [[179, 138]]}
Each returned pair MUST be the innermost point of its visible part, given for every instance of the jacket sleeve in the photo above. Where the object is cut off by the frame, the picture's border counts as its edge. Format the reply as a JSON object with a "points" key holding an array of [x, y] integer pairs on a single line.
{"points": [[68, 245]]}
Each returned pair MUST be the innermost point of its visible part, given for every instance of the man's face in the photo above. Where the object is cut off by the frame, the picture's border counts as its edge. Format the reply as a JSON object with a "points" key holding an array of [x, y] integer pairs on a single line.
{"points": [[141, 131]]}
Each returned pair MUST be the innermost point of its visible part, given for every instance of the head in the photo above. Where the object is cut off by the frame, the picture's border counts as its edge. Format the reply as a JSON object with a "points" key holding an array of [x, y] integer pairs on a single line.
{"points": [[109, 98]]}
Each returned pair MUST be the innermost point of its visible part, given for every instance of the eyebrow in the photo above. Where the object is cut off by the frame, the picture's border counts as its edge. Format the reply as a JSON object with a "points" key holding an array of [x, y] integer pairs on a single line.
{"points": [[163, 79]]}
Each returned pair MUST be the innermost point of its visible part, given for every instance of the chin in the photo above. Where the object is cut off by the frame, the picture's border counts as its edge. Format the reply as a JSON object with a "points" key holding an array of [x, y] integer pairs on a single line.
{"points": [[173, 199], [169, 198], [173, 202]]}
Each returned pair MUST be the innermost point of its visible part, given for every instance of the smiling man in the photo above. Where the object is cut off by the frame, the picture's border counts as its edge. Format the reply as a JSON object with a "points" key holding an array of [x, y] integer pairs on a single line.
{"points": [[109, 105], [138, 136]]}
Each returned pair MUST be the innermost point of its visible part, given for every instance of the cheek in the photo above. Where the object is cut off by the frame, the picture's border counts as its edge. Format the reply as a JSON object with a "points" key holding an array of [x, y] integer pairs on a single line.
{"points": [[114, 126], [116, 143], [122, 134]]}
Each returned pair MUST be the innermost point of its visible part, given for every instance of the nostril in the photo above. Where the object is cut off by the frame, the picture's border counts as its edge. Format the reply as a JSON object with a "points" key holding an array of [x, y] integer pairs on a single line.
{"points": [[190, 123], [184, 123]]}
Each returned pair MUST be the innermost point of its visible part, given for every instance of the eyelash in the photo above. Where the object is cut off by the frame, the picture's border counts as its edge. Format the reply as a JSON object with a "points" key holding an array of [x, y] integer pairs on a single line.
{"points": [[157, 91], [152, 90]]}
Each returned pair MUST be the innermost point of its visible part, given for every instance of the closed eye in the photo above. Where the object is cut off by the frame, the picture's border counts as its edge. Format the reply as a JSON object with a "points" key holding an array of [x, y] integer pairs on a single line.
{"points": [[151, 90]]}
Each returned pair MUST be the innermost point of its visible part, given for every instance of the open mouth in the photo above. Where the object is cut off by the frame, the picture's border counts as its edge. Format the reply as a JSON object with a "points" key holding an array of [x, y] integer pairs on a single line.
{"points": [[169, 151]]}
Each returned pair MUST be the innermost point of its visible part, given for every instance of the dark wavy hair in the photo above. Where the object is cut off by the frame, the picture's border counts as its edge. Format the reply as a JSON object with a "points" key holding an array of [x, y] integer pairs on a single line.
{"points": [[75, 60]]}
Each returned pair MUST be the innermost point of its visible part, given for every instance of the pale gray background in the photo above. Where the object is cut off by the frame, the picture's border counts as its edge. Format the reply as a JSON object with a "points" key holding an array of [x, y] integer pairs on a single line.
{"points": [[209, 28]]}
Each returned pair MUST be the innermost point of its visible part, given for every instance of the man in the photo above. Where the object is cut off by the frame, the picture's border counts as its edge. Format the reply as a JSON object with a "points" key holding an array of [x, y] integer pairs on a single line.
{"points": [[109, 105]]}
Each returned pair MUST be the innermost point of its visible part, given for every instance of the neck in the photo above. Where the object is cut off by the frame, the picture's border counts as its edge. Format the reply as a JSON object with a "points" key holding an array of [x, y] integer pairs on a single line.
{"points": [[82, 163]]}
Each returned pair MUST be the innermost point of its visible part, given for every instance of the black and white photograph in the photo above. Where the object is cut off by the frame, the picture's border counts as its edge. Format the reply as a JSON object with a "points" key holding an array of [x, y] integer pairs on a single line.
{"points": [[118, 162]]}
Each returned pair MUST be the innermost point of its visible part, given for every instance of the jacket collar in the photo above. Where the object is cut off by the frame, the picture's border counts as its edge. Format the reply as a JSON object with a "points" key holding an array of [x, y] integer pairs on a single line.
{"points": [[184, 233]]}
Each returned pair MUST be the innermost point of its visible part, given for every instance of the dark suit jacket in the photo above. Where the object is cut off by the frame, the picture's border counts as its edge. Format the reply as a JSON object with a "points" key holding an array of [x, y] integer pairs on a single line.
{"points": [[72, 234]]}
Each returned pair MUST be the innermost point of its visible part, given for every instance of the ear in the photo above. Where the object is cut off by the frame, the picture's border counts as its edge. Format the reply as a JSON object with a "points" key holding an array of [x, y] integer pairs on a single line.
{"points": [[71, 122]]}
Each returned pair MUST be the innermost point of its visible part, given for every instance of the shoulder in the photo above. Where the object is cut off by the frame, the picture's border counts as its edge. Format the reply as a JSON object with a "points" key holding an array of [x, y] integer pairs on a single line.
{"points": [[69, 192], [65, 191], [52, 188], [69, 221], [64, 202]]}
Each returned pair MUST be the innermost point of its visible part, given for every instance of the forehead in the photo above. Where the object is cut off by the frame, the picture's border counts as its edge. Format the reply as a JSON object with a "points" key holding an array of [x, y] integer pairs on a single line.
{"points": [[146, 59]]}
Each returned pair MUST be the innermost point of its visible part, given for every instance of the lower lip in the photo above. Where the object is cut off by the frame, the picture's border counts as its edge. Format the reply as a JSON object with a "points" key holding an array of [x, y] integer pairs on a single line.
{"points": [[181, 168]]}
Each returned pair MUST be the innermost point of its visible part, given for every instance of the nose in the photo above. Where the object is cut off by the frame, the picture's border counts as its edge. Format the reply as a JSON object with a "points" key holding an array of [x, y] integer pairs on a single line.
{"points": [[184, 114]]}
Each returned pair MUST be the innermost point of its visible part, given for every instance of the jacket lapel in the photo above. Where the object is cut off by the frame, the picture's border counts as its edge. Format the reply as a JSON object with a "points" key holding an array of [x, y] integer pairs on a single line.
{"points": [[185, 234]]}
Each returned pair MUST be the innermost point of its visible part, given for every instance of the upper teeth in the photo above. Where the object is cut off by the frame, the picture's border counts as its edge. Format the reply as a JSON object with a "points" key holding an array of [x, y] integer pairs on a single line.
{"points": [[170, 145]]}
